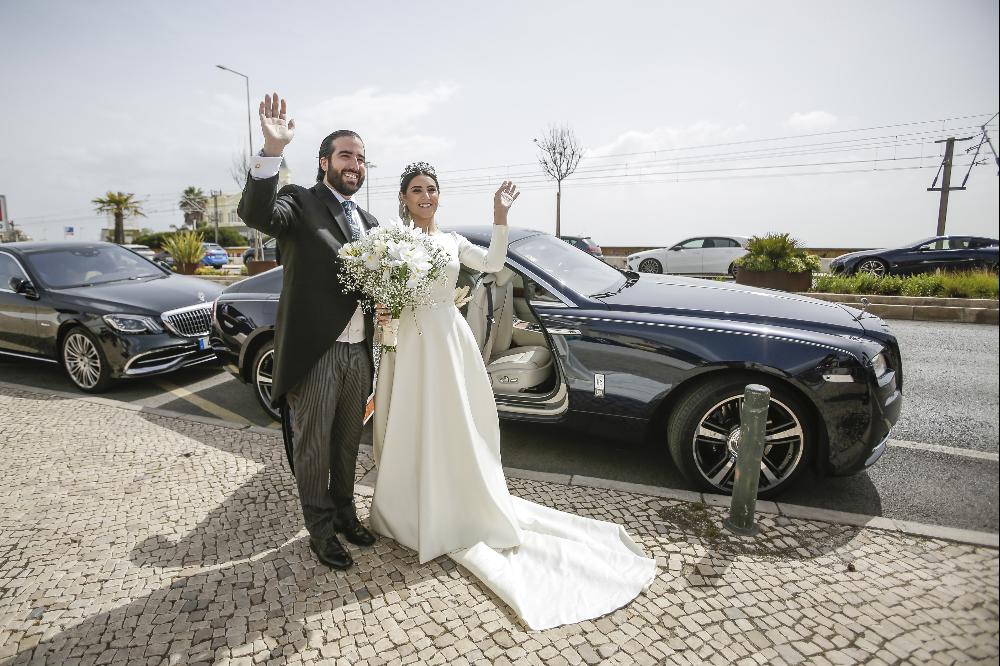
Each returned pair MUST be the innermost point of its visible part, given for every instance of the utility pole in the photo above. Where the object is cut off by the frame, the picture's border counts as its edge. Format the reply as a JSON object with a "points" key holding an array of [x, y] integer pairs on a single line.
{"points": [[368, 201], [215, 216], [949, 153]]}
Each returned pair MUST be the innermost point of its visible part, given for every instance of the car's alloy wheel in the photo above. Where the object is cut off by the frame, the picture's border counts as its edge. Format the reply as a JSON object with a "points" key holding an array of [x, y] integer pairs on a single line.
{"points": [[262, 377], [732, 270], [874, 267], [84, 362], [704, 436], [650, 266]]}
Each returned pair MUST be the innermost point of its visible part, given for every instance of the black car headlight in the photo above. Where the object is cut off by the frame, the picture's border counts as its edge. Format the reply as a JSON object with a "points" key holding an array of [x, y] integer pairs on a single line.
{"points": [[133, 324]]}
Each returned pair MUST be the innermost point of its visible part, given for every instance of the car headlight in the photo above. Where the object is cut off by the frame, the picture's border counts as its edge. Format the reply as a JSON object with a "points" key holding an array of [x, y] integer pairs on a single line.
{"points": [[124, 323], [880, 365]]}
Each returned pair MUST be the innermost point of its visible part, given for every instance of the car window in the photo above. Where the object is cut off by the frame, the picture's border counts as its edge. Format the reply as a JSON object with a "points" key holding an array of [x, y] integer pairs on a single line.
{"points": [[87, 265], [724, 242], [981, 242], [581, 272], [691, 244], [945, 244], [8, 269]]}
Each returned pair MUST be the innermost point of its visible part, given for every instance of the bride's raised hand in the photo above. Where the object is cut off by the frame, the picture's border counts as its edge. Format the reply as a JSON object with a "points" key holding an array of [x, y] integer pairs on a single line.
{"points": [[503, 200], [274, 123]]}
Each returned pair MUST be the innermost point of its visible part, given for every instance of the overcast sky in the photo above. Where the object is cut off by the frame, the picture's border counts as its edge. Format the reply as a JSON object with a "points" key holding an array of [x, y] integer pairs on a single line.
{"points": [[707, 117]]}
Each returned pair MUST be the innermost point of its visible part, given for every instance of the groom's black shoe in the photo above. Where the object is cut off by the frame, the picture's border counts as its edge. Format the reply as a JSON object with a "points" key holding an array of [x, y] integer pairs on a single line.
{"points": [[355, 532], [330, 552]]}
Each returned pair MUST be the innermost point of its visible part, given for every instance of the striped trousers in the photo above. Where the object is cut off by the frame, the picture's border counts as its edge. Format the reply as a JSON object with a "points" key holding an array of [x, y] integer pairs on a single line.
{"points": [[327, 412]]}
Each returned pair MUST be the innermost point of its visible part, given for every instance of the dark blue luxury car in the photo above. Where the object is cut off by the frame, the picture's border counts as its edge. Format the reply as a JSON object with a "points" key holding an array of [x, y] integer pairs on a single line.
{"points": [[101, 311], [946, 253], [567, 338]]}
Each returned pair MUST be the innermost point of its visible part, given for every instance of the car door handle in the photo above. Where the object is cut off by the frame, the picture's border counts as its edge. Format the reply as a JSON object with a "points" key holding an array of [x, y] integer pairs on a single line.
{"points": [[563, 331]]}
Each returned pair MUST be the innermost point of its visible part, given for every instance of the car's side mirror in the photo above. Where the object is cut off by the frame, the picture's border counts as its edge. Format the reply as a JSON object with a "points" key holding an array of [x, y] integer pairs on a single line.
{"points": [[164, 265], [21, 286], [676, 248]]}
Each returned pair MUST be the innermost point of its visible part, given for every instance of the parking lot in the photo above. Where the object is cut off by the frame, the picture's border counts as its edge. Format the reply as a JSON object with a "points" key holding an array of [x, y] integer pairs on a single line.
{"points": [[941, 466]]}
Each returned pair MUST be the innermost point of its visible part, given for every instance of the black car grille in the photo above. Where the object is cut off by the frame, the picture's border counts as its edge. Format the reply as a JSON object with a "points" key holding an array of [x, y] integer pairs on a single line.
{"points": [[190, 322]]}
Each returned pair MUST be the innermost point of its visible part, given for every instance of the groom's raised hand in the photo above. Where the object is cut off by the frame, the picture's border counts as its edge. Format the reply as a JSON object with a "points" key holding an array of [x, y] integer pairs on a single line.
{"points": [[278, 130]]}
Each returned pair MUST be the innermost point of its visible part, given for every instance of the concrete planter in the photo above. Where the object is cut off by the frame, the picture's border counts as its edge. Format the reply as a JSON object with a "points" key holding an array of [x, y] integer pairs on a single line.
{"points": [[782, 280], [186, 268], [254, 267]]}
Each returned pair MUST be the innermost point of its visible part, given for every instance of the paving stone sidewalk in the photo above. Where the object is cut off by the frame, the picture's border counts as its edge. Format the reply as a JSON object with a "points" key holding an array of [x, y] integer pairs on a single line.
{"points": [[132, 538]]}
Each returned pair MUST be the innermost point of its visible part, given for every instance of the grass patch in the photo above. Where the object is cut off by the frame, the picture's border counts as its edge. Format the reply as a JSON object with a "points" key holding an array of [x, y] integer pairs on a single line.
{"points": [[968, 284]]}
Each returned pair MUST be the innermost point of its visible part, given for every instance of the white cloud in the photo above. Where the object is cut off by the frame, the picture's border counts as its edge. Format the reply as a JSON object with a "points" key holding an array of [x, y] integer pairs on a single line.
{"points": [[811, 121], [666, 138]]}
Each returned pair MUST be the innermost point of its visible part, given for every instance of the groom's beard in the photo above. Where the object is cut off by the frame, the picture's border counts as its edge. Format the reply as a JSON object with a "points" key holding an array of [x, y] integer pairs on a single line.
{"points": [[336, 181]]}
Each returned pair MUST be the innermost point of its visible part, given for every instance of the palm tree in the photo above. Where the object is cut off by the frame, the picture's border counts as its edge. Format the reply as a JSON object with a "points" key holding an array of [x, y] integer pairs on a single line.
{"points": [[193, 202], [122, 205]]}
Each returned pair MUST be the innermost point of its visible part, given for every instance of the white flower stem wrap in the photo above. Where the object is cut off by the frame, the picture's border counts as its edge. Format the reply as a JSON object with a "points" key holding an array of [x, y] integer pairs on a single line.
{"points": [[395, 265]]}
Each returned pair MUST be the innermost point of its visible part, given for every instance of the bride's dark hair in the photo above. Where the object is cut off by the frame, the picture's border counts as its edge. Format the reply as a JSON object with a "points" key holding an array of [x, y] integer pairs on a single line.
{"points": [[417, 169]]}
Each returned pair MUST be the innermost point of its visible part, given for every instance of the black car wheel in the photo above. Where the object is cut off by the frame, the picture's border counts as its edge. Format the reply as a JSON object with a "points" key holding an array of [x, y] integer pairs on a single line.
{"points": [[262, 377], [84, 361], [704, 431], [650, 266], [874, 267], [732, 269]]}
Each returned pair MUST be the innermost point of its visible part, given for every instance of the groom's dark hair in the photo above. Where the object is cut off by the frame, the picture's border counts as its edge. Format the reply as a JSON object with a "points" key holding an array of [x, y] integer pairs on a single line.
{"points": [[326, 148]]}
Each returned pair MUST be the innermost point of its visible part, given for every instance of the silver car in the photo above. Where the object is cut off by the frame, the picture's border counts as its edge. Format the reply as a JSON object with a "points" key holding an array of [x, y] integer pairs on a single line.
{"points": [[702, 255]]}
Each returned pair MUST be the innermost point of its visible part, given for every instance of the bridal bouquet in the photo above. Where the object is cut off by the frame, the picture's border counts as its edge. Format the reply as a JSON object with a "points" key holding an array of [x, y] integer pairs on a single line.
{"points": [[395, 265]]}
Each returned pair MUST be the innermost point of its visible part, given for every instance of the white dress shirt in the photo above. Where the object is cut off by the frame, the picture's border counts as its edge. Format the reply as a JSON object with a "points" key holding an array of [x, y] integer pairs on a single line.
{"points": [[267, 167]]}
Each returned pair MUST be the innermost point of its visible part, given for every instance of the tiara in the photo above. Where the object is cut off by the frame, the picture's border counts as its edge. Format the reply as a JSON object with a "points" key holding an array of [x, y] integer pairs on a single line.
{"points": [[417, 167]]}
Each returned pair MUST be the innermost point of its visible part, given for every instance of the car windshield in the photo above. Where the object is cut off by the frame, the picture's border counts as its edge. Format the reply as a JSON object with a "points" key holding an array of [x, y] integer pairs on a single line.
{"points": [[581, 272], [96, 264], [922, 241]]}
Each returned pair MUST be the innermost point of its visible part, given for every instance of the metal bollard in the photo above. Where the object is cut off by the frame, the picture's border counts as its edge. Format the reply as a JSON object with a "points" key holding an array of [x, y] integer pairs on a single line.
{"points": [[753, 419]]}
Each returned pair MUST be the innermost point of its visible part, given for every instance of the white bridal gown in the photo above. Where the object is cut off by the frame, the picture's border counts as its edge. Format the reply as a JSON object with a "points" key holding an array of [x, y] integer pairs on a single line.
{"points": [[441, 488]]}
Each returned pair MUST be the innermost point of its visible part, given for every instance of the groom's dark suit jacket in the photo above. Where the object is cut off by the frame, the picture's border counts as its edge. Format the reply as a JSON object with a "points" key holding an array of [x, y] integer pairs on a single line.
{"points": [[311, 227]]}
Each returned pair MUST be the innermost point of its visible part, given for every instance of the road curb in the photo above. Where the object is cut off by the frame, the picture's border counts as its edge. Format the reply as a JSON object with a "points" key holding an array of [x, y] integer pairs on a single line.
{"points": [[797, 511]]}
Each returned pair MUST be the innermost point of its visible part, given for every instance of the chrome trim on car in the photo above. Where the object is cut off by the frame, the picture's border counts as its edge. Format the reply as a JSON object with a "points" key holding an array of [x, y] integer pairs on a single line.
{"points": [[29, 356], [187, 318], [176, 360], [709, 329], [878, 451]]}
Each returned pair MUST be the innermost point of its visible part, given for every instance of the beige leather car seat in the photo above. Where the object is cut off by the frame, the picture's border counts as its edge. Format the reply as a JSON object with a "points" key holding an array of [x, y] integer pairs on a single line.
{"points": [[490, 314]]}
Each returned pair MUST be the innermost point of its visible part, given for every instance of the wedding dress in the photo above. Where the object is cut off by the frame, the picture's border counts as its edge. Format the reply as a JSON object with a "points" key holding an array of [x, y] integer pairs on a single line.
{"points": [[441, 489]]}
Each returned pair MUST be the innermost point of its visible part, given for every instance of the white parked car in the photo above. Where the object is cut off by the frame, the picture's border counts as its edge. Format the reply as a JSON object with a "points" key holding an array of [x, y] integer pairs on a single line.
{"points": [[700, 256]]}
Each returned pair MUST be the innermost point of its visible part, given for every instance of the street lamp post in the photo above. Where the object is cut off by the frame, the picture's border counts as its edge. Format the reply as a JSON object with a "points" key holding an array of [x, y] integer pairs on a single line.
{"points": [[256, 234]]}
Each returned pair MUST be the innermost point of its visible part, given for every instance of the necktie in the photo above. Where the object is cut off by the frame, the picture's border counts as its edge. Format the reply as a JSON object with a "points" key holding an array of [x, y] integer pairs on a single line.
{"points": [[351, 222]]}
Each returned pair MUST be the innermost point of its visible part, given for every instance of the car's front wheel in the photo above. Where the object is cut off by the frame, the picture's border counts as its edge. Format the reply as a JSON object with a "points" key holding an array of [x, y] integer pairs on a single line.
{"points": [[84, 361], [704, 436], [650, 265], [874, 267], [262, 378]]}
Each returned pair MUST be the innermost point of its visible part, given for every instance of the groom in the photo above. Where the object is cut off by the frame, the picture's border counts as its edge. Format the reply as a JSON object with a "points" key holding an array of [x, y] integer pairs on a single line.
{"points": [[323, 341]]}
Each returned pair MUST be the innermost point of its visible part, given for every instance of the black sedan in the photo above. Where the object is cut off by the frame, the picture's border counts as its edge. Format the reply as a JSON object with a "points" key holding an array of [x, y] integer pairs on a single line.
{"points": [[949, 253], [567, 338], [101, 311]]}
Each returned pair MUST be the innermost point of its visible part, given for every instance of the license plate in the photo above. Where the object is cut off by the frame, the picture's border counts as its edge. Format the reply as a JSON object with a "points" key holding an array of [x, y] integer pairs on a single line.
{"points": [[202, 343]]}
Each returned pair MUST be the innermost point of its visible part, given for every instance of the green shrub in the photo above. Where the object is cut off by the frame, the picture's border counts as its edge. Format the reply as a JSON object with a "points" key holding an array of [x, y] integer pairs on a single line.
{"points": [[970, 284], [228, 236], [777, 252], [154, 240]]}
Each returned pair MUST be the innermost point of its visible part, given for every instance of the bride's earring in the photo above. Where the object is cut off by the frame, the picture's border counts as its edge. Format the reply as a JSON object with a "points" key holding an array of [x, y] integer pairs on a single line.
{"points": [[404, 212]]}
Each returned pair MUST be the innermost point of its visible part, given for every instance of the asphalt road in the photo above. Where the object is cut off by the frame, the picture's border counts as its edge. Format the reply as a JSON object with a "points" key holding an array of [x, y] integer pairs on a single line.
{"points": [[941, 467]]}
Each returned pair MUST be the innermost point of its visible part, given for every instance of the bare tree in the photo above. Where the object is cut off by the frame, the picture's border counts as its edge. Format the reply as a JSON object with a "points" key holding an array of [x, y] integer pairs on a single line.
{"points": [[239, 168], [559, 157]]}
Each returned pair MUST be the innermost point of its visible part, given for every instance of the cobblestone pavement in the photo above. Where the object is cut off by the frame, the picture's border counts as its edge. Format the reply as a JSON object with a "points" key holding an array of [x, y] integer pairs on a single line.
{"points": [[134, 538]]}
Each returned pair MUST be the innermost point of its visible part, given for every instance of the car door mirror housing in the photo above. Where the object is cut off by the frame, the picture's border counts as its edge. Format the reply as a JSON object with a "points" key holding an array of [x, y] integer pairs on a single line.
{"points": [[676, 248], [22, 286]]}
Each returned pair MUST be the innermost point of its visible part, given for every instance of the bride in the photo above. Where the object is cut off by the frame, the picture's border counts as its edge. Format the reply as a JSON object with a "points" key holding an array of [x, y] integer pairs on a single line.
{"points": [[440, 487]]}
